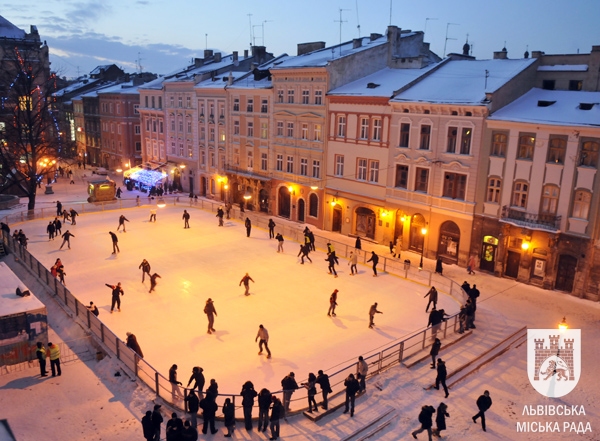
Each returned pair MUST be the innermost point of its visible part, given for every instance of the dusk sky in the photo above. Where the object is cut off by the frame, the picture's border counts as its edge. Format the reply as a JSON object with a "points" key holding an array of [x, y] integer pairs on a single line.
{"points": [[167, 34]]}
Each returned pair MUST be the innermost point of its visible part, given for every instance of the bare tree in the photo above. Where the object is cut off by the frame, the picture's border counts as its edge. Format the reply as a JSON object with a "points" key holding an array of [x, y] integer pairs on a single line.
{"points": [[30, 141]]}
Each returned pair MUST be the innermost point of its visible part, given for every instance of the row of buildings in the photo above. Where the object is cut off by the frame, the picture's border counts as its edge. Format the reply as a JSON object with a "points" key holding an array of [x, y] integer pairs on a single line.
{"points": [[381, 138]]}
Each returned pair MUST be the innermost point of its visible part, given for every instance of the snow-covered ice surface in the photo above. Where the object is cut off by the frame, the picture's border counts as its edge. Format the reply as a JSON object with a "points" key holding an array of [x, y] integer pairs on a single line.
{"points": [[291, 300]]}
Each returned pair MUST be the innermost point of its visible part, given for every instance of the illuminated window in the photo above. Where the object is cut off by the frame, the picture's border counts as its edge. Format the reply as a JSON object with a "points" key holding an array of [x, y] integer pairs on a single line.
{"points": [[526, 145], [549, 199], [520, 191], [499, 142], [465, 141], [557, 148], [581, 204], [493, 191]]}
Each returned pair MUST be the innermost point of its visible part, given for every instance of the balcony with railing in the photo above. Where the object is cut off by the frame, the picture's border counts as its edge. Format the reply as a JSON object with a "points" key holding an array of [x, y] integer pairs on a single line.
{"points": [[549, 222]]}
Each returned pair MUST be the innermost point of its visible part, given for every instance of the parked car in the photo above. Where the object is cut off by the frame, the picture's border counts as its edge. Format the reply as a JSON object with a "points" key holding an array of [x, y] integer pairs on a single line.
{"points": [[100, 171]]}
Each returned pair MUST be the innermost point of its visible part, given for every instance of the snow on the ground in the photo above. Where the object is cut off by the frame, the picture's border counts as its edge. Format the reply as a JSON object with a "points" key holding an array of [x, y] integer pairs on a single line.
{"points": [[291, 300]]}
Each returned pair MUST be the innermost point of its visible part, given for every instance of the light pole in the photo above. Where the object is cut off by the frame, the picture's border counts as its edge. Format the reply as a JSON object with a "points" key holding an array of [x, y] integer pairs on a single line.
{"points": [[423, 232]]}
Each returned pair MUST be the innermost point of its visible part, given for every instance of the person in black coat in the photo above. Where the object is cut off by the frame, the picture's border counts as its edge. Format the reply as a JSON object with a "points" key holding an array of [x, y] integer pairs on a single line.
{"points": [[145, 267], [331, 264], [473, 295], [229, 417], [304, 250], [133, 344], [352, 387], [199, 379], [440, 419], [73, 214], [59, 209], [174, 428], [375, 259], [122, 220], [433, 298], [193, 404], [484, 402], [438, 266], [117, 291], [189, 432], [186, 219], [271, 229], [289, 386], [435, 349], [323, 381], [153, 278], [220, 214], [264, 403], [50, 229], [248, 394], [248, 225], [40, 353], [66, 239], [157, 420], [277, 412], [358, 244], [115, 242], [426, 420], [209, 410], [57, 226], [147, 427], [442, 373]]}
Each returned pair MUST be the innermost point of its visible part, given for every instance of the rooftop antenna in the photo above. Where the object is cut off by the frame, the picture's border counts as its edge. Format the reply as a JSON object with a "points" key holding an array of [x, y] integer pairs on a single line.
{"points": [[357, 19], [447, 38], [390, 12], [139, 62], [206, 41], [251, 33], [341, 21], [254, 35], [263, 30], [487, 74], [426, 20]]}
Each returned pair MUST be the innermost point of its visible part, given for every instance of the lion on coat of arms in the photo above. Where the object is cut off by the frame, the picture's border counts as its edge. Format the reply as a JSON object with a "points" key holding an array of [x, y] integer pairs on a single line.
{"points": [[554, 368]]}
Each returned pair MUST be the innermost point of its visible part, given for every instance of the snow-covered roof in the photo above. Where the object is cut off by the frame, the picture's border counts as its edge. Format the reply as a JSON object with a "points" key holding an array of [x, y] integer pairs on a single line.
{"points": [[220, 81], [190, 72], [126, 88], [100, 69], [9, 30], [156, 84], [464, 81], [84, 82], [563, 68], [382, 83], [556, 107], [322, 57], [10, 303]]}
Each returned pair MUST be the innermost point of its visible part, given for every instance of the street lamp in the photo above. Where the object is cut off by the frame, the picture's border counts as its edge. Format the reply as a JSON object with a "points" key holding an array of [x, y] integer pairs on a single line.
{"points": [[247, 195], [563, 325], [423, 232]]}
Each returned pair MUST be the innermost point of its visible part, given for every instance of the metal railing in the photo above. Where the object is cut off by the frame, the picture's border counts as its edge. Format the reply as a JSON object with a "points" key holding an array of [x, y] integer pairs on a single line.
{"points": [[522, 218]]}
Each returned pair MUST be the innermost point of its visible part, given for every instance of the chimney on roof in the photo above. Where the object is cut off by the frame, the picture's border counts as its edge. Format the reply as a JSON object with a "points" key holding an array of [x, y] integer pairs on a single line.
{"points": [[356, 42], [537, 54], [375, 36], [217, 58], [245, 53], [259, 54], [208, 53], [198, 62], [235, 56], [501, 55], [305, 48]]}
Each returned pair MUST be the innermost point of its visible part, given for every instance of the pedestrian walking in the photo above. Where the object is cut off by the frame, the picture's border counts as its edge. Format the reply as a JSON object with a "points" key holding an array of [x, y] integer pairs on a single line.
{"points": [[484, 402], [473, 295], [289, 386], [362, 368], [59, 208], [115, 242], [433, 298], [153, 282], [211, 312], [152, 215], [471, 265], [442, 374], [375, 259], [440, 419], [248, 395], [228, 210], [246, 281], [220, 214], [304, 250], [352, 387], [439, 269], [41, 355], [137, 201], [209, 410], [264, 404], [470, 315], [174, 428], [435, 350], [186, 219], [73, 214], [93, 309], [229, 417], [358, 244], [271, 229], [276, 412], [66, 239], [57, 227], [462, 319], [426, 420], [248, 225], [353, 260], [323, 381], [157, 420], [119, 191], [311, 387], [279, 238], [398, 247], [332, 303], [372, 311], [262, 337], [122, 220], [147, 427], [331, 264], [54, 354], [117, 292], [50, 229], [199, 380], [145, 267], [133, 344], [193, 404], [175, 391]]}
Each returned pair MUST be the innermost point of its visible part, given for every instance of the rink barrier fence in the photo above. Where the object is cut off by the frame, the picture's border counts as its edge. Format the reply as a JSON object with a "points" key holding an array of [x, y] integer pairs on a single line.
{"points": [[378, 360]]}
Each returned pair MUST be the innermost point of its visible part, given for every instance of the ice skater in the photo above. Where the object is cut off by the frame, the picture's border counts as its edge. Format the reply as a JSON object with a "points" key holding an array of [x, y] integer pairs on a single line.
{"points": [[220, 214], [246, 281], [248, 225], [57, 226], [304, 250], [152, 214], [372, 311], [122, 220], [59, 208], [331, 267], [331, 252], [211, 312], [153, 278], [175, 391], [66, 239], [433, 298], [332, 303], [186, 219], [73, 214], [279, 238], [375, 259], [115, 242], [145, 267], [263, 339], [117, 292], [50, 229], [353, 260], [271, 229]]}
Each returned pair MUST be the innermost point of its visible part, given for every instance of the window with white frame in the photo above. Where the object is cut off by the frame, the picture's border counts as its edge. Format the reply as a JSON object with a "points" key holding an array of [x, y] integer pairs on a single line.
{"points": [[264, 161], [264, 130], [526, 145], [190, 150], [318, 97], [154, 128], [316, 169], [173, 148], [549, 199], [364, 128], [361, 169], [589, 152], [211, 156], [221, 134], [250, 129], [520, 191], [118, 108], [136, 109], [499, 144], [172, 125], [236, 104], [136, 129], [290, 130], [465, 141], [317, 130], [557, 149], [493, 190], [339, 165], [279, 163], [201, 112], [119, 129], [180, 123], [304, 131], [279, 128], [188, 102], [376, 129], [374, 171], [421, 179], [180, 101], [280, 95], [290, 164], [341, 126], [303, 167], [189, 126], [181, 149], [211, 134], [264, 106], [290, 95], [581, 204], [202, 158], [305, 96]]}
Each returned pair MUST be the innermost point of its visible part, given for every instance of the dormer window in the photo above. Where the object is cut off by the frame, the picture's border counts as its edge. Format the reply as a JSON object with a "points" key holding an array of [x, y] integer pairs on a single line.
{"points": [[586, 106], [372, 85], [544, 103]]}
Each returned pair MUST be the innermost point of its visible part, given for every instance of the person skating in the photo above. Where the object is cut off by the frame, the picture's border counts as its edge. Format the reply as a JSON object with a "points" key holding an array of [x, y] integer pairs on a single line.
{"points": [[248, 395], [263, 339], [153, 281], [50, 229], [60, 271], [304, 250], [152, 214], [122, 220], [271, 229], [323, 381], [209, 411], [193, 404], [375, 259], [279, 238], [66, 216], [145, 267], [435, 350], [442, 373], [332, 303], [362, 369], [41, 355], [175, 391], [264, 404], [66, 239], [331, 252], [229, 417], [199, 380], [73, 215], [211, 312], [59, 208], [433, 298], [54, 353], [426, 420], [174, 428], [248, 225], [289, 386], [115, 242], [220, 214], [157, 420], [352, 387], [276, 412], [57, 226], [246, 281], [186, 219], [484, 402], [117, 292], [440, 419], [93, 309], [311, 387], [133, 344], [147, 427], [353, 260], [372, 311], [331, 259]]}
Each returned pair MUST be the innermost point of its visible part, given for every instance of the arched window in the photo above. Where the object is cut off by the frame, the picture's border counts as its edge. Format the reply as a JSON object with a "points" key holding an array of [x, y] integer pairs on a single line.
{"points": [[313, 205], [581, 204], [520, 191], [493, 192], [549, 199]]}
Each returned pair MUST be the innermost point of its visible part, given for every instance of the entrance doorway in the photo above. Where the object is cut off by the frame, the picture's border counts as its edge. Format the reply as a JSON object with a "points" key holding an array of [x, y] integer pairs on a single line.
{"points": [[488, 253], [283, 202], [512, 264], [565, 275], [203, 186], [336, 221], [448, 242], [263, 197], [417, 239], [365, 222], [301, 209]]}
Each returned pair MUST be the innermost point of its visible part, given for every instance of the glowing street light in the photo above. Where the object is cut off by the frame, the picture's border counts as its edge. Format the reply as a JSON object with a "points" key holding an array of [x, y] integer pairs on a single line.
{"points": [[247, 195], [423, 232], [563, 325]]}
